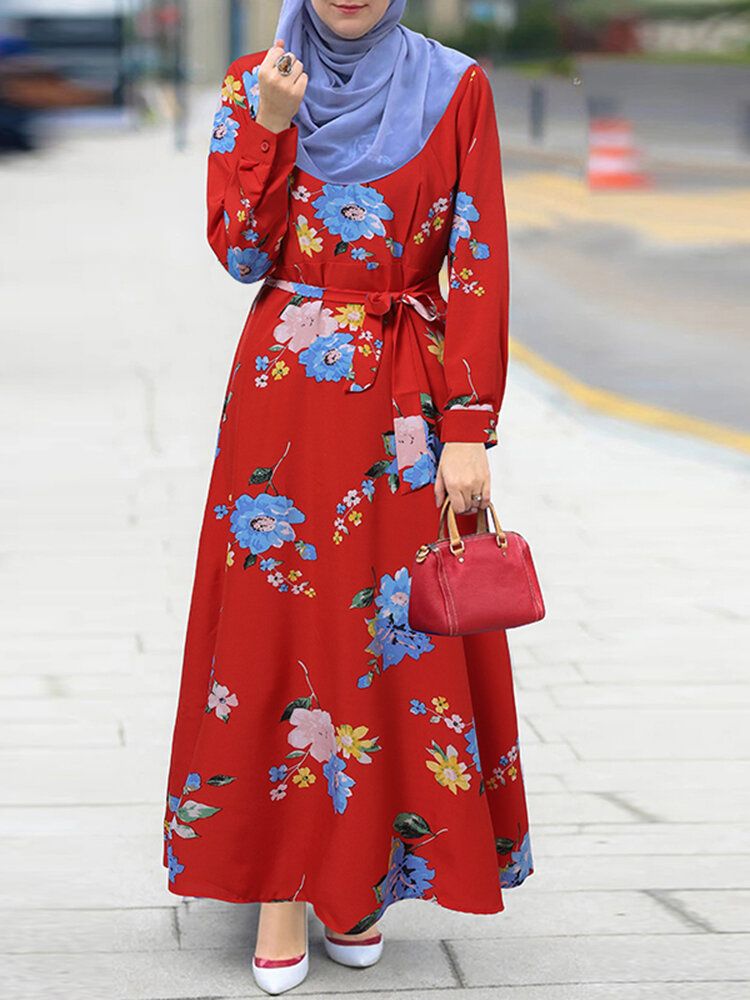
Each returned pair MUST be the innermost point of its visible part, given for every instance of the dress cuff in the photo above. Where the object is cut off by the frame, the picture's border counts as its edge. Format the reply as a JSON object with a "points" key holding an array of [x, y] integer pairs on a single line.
{"points": [[261, 145], [460, 424]]}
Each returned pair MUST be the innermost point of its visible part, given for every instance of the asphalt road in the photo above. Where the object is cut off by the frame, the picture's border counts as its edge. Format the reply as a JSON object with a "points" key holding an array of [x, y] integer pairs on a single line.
{"points": [[660, 325]]}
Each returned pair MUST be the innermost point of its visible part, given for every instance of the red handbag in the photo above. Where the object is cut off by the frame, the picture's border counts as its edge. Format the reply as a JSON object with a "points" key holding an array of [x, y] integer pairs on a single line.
{"points": [[473, 583]]}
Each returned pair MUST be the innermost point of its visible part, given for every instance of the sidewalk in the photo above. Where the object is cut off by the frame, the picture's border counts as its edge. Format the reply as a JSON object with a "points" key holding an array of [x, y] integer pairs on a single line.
{"points": [[633, 691]]}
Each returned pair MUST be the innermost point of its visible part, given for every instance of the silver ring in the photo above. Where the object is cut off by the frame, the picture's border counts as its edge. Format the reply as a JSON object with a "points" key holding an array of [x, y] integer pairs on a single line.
{"points": [[285, 63], [476, 496]]}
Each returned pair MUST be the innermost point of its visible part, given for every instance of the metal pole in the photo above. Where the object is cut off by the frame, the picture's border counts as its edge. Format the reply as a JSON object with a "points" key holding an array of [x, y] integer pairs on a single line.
{"points": [[236, 29], [180, 76], [537, 112]]}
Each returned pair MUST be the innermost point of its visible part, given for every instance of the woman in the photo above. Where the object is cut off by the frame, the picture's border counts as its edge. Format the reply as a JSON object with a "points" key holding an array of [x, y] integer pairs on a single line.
{"points": [[323, 751]]}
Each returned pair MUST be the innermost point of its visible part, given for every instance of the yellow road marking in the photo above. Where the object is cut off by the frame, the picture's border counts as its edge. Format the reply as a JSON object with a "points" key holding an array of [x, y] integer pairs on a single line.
{"points": [[615, 405], [686, 218]]}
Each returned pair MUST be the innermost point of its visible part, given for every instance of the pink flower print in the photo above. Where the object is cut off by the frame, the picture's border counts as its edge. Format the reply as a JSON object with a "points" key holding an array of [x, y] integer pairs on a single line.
{"points": [[279, 792], [312, 728], [221, 701], [411, 440], [300, 325]]}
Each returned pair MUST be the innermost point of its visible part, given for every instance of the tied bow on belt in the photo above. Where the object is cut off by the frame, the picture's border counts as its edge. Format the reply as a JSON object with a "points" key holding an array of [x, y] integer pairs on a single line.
{"points": [[415, 461]]}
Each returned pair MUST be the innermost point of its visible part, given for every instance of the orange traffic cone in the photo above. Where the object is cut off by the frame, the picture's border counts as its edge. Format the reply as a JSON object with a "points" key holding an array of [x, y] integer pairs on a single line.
{"points": [[614, 161]]}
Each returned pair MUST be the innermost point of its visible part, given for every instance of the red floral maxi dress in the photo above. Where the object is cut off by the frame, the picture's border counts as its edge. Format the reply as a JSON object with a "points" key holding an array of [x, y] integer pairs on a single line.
{"points": [[322, 749]]}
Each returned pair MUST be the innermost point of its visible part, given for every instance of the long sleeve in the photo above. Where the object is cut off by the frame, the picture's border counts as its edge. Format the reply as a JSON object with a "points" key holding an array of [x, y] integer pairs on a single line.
{"points": [[248, 179], [476, 326]]}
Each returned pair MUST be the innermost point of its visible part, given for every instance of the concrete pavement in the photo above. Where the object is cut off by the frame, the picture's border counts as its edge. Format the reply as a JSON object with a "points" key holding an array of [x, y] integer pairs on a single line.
{"points": [[633, 691]]}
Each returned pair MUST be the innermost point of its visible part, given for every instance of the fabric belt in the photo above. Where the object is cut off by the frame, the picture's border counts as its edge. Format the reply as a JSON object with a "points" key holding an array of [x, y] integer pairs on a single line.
{"points": [[410, 387]]}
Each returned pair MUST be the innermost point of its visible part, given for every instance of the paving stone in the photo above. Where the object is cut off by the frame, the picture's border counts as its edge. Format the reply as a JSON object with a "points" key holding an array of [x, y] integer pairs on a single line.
{"points": [[614, 959], [726, 911], [226, 973], [71, 931]]}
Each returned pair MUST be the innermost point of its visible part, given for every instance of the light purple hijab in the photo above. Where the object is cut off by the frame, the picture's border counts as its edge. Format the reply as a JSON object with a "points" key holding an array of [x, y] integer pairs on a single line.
{"points": [[371, 102]]}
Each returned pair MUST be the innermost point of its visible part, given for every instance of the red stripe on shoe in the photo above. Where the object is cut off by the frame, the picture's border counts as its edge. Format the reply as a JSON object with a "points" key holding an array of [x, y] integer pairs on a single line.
{"points": [[277, 963]]}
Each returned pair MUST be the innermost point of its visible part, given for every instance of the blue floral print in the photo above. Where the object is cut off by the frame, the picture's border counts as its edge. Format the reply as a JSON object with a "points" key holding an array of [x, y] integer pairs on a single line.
{"points": [[339, 783], [409, 876], [225, 129], [173, 864], [520, 867], [392, 638], [422, 472], [252, 90], [328, 358], [221, 510], [393, 599], [418, 707], [352, 211], [277, 773], [464, 212], [262, 522], [248, 264], [471, 745]]}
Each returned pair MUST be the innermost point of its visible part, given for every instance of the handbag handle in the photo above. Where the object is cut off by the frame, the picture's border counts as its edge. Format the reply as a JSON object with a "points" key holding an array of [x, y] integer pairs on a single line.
{"points": [[456, 542]]}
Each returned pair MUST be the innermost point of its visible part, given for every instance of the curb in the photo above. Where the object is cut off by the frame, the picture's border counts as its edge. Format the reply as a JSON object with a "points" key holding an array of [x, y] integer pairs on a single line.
{"points": [[614, 404]]}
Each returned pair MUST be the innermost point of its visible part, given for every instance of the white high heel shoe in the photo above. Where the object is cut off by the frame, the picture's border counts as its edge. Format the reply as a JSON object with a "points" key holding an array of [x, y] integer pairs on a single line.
{"points": [[355, 954], [276, 976]]}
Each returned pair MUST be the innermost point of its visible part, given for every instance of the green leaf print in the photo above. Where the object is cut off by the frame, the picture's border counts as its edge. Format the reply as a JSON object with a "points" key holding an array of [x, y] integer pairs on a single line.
{"points": [[341, 247], [428, 407], [186, 832], [220, 779], [389, 443], [261, 475], [411, 825], [192, 810], [249, 561], [378, 469], [457, 401], [504, 845], [393, 481], [297, 703], [365, 923], [363, 598]]}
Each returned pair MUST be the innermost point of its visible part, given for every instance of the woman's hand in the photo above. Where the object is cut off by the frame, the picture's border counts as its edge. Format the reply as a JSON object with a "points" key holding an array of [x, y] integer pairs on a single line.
{"points": [[280, 96], [462, 473]]}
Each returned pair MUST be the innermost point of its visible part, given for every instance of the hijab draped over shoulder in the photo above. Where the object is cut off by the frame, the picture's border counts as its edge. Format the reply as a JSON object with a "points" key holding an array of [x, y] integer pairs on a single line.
{"points": [[371, 102]]}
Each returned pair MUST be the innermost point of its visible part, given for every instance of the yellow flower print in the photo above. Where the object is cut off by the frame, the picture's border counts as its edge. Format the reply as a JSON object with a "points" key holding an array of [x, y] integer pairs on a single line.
{"points": [[438, 222], [419, 237], [337, 538], [231, 91], [230, 555], [448, 770], [441, 705], [294, 574], [465, 273], [365, 349], [308, 239], [304, 778], [241, 215], [492, 782], [355, 516], [279, 370], [437, 347], [351, 316], [512, 773], [352, 743], [310, 592], [479, 290]]}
